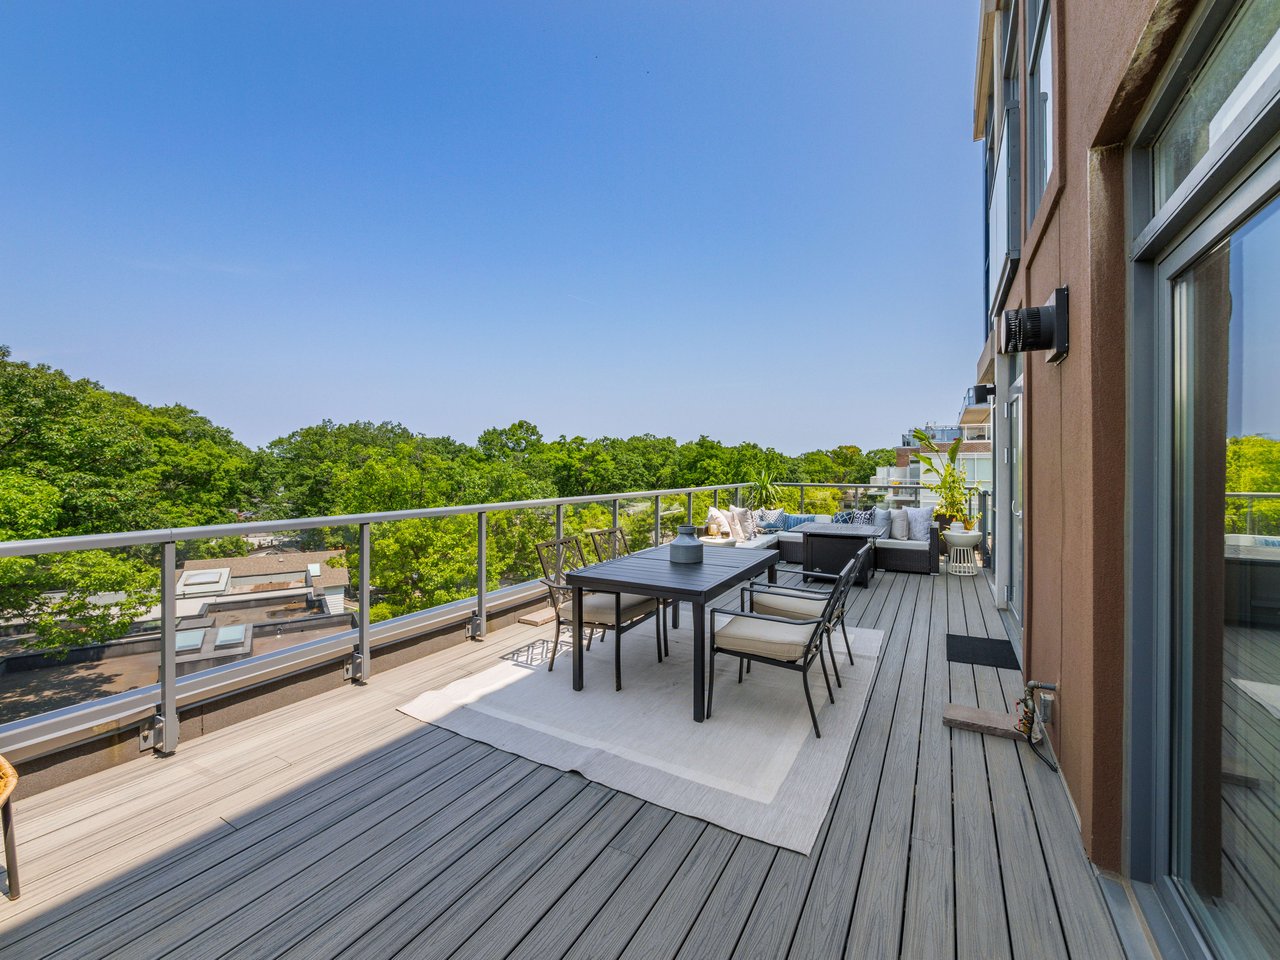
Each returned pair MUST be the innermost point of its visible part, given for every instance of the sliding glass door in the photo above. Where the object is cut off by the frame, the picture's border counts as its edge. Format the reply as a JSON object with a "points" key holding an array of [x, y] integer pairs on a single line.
{"points": [[1223, 306]]}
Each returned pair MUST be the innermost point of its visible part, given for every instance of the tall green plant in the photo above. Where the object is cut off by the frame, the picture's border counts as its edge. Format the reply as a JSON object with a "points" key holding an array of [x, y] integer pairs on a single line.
{"points": [[949, 483], [763, 492]]}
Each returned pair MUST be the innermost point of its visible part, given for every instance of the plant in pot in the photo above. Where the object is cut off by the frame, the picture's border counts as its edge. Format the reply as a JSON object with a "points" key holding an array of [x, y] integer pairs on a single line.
{"points": [[948, 483], [763, 493]]}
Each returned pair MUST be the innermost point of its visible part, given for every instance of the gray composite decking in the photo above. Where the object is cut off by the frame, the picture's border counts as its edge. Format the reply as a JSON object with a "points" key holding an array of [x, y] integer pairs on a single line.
{"points": [[338, 827]]}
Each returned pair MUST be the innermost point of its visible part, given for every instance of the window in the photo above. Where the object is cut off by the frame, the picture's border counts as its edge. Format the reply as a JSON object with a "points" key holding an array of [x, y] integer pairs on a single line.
{"points": [[1004, 235], [1226, 588], [1246, 54], [1039, 104]]}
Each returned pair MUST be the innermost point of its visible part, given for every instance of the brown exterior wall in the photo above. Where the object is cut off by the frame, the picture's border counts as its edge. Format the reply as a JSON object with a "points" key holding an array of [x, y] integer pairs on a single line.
{"points": [[1108, 55]]}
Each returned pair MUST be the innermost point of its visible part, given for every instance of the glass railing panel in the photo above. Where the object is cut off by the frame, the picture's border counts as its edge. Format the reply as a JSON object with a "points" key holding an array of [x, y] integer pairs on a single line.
{"points": [[75, 627], [241, 597]]}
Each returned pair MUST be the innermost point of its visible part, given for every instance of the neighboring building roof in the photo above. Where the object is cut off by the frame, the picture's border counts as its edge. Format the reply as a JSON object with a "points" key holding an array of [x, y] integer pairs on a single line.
{"points": [[270, 564]]}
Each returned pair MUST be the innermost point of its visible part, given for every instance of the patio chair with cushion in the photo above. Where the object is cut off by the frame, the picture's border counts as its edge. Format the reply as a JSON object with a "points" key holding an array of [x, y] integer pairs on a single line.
{"points": [[612, 543], [618, 612], [786, 642], [802, 603], [9, 780]]}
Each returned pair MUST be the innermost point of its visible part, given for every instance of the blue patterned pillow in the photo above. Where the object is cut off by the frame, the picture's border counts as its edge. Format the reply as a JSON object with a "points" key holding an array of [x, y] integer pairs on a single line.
{"points": [[866, 517], [770, 519], [792, 520], [844, 516]]}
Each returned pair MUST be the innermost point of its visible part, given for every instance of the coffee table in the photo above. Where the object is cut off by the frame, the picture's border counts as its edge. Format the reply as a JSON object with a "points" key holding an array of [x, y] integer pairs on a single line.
{"points": [[829, 546]]}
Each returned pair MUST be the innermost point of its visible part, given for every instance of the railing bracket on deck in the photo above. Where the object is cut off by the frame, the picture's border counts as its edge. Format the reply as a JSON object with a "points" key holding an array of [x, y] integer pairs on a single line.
{"points": [[354, 669], [151, 736]]}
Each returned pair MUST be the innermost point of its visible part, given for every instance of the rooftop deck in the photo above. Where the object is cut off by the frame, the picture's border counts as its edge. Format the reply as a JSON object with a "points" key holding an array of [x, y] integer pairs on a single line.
{"points": [[340, 827]]}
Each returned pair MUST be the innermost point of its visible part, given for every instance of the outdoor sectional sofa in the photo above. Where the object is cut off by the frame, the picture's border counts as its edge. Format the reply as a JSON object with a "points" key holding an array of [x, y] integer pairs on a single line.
{"points": [[900, 556]]}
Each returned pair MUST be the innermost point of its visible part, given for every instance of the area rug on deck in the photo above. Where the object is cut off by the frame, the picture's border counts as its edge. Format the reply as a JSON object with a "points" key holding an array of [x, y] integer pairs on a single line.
{"points": [[754, 767]]}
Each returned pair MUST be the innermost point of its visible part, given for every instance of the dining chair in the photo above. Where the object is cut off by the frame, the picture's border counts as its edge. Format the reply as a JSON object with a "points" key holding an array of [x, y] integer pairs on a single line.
{"points": [[601, 611], [9, 780], [786, 642], [612, 543], [799, 603]]}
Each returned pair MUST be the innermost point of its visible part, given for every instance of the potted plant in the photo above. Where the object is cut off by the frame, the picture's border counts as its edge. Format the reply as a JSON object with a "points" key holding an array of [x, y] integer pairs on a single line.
{"points": [[948, 483], [763, 492]]}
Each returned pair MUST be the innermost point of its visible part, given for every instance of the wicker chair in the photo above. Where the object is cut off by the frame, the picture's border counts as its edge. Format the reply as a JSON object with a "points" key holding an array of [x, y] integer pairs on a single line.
{"points": [[612, 543], [786, 642], [618, 612], [9, 780], [802, 603]]}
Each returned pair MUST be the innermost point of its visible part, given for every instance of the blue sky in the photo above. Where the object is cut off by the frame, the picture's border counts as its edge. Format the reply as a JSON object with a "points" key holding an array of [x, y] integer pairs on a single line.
{"points": [[755, 221]]}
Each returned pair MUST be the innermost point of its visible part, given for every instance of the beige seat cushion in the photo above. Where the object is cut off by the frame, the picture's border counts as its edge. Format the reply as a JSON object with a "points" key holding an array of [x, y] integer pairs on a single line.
{"points": [[785, 605], [765, 638], [599, 607]]}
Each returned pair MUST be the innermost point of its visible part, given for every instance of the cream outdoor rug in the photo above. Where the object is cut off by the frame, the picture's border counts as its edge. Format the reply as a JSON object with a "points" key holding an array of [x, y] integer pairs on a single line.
{"points": [[754, 767]]}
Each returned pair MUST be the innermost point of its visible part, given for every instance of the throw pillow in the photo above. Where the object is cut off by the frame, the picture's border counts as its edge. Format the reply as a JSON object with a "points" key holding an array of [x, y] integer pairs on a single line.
{"points": [[865, 517], [735, 528], [882, 517], [844, 516], [918, 520], [792, 520], [899, 527], [770, 519], [717, 516], [746, 521]]}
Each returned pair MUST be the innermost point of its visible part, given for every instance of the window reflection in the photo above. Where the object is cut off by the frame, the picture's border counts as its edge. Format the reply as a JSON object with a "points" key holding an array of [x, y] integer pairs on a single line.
{"points": [[1227, 600]]}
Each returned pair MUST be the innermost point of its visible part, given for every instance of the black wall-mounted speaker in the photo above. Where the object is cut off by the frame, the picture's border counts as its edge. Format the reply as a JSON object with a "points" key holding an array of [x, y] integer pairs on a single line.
{"points": [[1038, 328]]}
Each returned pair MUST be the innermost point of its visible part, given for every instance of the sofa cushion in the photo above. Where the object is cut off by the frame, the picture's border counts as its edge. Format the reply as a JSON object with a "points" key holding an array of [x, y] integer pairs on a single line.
{"points": [[764, 541], [717, 516], [918, 520], [785, 537], [899, 526], [770, 519], [890, 544], [882, 517], [792, 520]]}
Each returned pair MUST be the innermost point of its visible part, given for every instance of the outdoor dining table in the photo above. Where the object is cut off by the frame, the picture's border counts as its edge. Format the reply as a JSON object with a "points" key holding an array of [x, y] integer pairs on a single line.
{"points": [[651, 573]]}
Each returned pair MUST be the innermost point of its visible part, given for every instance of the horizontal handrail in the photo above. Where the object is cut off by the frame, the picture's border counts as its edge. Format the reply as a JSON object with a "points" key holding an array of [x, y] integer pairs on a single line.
{"points": [[106, 541]]}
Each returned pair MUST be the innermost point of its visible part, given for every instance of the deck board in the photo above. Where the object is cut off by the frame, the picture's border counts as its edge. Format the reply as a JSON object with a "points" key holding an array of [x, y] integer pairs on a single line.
{"points": [[336, 826]]}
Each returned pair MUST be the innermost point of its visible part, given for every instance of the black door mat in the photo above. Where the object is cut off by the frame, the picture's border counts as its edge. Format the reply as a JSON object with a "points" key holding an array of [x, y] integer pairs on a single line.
{"points": [[982, 652]]}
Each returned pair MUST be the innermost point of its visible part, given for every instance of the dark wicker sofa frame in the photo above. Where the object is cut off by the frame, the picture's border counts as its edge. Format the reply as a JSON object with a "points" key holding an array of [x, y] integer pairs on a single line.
{"points": [[912, 561]]}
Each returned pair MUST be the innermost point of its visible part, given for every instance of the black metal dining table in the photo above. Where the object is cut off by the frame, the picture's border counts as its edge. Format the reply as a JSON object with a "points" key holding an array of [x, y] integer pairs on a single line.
{"points": [[651, 573]]}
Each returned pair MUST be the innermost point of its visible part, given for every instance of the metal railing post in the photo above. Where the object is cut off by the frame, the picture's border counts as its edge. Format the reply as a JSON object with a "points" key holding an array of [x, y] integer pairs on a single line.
{"points": [[657, 521], [802, 498], [1248, 516], [482, 573], [166, 722], [715, 498], [560, 520], [688, 508], [362, 660], [615, 512], [737, 496]]}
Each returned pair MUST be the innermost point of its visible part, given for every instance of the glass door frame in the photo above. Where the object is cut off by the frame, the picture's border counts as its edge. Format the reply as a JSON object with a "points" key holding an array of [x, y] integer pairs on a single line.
{"points": [[1158, 386]]}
